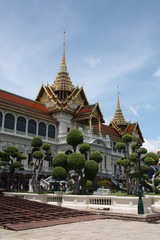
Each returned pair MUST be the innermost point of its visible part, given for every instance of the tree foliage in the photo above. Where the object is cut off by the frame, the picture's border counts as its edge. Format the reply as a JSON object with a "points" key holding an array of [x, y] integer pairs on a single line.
{"points": [[74, 137], [120, 146], [59, 173], [41, 152], [74, 167], [76, 161], [60, 160], [36, 142], [129, 162], [91, 169], [85, 147], [127, 138], [96, 156], [12, 158]]}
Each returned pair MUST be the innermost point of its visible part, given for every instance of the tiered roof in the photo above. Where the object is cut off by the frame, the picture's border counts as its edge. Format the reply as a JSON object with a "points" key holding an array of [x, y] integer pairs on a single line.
{"points": [[63, 82], [12, 102], [118, 117], [87, 112]]}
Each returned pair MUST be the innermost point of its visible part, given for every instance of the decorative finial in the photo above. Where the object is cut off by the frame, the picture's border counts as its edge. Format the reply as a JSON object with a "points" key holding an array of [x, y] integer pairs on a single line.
{"points": [[63, 58], [118, 92]]}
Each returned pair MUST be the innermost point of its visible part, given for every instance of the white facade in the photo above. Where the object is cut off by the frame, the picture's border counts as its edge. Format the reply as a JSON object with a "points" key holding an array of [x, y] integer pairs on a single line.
{"points": [[22, 140]]}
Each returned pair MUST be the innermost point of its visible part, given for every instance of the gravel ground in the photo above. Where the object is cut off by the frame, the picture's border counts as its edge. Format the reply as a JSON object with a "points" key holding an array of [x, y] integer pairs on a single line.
{"points": [[90, 230]]}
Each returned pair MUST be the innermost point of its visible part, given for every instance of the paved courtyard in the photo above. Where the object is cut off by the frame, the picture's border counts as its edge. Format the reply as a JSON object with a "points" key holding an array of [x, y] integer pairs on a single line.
{"points": [[91, 230]]}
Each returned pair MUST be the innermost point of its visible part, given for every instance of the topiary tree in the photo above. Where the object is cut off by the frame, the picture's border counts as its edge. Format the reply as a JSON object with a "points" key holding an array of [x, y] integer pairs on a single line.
{"points": [[41, 152], [74, 167], [74, 137], [151, 174], [12, 158], [76, 162], [130, 164]]}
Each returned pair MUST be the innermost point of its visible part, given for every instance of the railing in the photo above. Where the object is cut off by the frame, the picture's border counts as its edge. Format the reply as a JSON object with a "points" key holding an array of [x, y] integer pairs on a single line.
{"points": [[100, 201], [114, 203], [55, 199]]}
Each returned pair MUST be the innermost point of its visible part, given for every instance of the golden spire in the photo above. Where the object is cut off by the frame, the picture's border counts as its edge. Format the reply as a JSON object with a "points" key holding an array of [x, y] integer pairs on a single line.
{"points": [[118, 104], [63, 82], [63, 57], [118, 117]]}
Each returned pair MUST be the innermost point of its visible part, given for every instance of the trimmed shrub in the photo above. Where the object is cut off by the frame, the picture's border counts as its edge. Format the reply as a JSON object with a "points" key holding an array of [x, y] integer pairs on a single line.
{"points": [[91, 169], [59, 173], [96, 156], [149, 161], [36, 142], [84, 148], [133, 157], [60, 160], [12, 150], [120, 146], [46, 147], [76, 161], [152, 155], [74, 137], [37, 155], [127, 138]]}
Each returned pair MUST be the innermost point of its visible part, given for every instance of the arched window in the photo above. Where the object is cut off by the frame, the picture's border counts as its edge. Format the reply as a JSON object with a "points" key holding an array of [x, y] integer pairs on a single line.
{"points": [[21, 124], [32, 126], [42, 129], [1, 119], [51, 131], [9, 121]]}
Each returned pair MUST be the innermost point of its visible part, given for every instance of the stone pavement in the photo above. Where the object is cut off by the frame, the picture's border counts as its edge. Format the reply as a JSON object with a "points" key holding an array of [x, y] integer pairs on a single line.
{"points": [[105, 229]]}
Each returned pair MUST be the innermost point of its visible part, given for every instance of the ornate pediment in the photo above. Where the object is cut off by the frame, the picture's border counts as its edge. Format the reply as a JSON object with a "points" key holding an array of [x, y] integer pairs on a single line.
{"points": [[43, 96]]}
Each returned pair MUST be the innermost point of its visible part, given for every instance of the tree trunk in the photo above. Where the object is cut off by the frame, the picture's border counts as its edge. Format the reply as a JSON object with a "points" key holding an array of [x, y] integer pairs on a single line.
{"points": [[35, 176], [128, 183], [11, 173]]}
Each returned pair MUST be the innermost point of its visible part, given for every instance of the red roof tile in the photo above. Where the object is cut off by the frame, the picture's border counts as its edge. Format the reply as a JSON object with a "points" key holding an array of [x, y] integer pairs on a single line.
{"points": [[130, 128], [107, 129], [22, 101], [87, 109]]}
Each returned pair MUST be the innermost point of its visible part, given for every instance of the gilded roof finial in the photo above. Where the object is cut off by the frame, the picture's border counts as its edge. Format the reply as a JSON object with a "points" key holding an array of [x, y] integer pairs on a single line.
{"points": [[118, 92], [63, 57]]}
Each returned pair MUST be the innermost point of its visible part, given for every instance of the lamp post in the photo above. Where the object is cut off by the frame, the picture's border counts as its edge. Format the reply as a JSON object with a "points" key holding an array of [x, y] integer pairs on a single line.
{"points": [[140, 202]]}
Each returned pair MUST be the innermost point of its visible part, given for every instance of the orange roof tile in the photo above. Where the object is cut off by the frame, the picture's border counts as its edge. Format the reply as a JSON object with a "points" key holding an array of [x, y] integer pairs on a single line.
{"points": [[107, 129], [87, 109], [130, 128], [22, 101]]}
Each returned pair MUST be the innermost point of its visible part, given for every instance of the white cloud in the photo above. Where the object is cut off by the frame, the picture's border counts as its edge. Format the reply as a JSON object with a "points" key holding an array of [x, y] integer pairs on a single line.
{"points": [[157, 72], [108, 119], [152, 145], [93, 62], [133, 110]]}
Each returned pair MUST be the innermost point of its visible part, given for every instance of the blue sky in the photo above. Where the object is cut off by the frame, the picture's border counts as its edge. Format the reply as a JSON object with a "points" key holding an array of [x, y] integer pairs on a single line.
{"points": [[108, 43]]}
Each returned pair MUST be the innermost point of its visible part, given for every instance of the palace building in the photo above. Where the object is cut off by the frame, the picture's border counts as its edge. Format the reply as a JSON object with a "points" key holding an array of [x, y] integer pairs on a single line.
{"points": [[57, 109]]}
